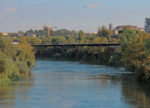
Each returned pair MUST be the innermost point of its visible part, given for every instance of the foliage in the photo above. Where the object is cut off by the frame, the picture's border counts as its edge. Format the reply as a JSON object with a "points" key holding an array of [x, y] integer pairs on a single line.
{"points": [[81, 37], [8, 69], [135, 55], [94, 54], [25, 53], [104, 32], [14, 59], [58, 40], [46, 40], [33, 40]]}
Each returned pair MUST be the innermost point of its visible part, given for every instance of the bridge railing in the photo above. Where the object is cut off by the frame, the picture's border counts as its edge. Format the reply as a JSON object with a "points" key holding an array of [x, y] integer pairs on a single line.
{"points": [[74, 45]]}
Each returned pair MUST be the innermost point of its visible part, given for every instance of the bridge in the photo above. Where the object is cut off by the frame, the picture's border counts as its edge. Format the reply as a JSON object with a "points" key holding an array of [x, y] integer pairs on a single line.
{"points": [[75, 45]]}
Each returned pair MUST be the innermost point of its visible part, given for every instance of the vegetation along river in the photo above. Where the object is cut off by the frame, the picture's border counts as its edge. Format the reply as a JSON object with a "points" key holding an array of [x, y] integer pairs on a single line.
{"points": [[66, 84]]}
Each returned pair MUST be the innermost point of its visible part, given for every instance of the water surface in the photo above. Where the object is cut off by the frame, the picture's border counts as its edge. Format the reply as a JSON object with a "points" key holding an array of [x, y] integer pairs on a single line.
{"points": [[63, 84]]}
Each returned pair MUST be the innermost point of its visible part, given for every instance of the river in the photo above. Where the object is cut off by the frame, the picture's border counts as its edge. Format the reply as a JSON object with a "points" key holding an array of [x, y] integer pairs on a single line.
{"points": [[66, 84]]}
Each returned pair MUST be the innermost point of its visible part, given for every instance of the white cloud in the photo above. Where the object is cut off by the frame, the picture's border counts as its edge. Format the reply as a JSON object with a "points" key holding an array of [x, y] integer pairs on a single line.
{"points": [[10, 10], [92, 5]]}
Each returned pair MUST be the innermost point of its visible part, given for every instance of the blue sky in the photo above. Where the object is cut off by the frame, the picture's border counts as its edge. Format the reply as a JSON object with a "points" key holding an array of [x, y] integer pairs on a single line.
{"points": [[72, 14]]}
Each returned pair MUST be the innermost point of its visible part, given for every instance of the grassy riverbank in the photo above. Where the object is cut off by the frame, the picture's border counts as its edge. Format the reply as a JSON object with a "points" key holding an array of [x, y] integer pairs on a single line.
{"points": [[15, 60]]}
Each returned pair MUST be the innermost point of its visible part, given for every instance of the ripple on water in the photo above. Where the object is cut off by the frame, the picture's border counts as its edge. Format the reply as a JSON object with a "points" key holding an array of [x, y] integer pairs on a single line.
{"points": [[61, 84]]}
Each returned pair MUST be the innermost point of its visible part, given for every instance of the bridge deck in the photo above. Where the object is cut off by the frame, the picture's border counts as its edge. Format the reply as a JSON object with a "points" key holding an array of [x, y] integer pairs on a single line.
{"points": [[74, 45]]}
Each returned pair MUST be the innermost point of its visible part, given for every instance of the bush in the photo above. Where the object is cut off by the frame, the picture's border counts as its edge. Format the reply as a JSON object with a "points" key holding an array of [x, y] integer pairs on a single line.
{"points": [[8, 70], [15, 60]]}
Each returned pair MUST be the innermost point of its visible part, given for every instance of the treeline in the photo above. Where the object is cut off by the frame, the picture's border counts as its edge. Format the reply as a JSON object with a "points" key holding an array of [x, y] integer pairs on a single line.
{"points": [[44, 32], [106, 56], [15, 60], [103, 36]]}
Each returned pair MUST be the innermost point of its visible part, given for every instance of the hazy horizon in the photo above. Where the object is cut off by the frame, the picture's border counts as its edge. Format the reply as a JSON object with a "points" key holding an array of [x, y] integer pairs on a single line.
{"points": [[87, 15]]}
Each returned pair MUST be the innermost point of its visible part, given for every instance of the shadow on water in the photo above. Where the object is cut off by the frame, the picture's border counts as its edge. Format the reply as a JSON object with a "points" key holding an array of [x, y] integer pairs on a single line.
{"points": [[136, 94], [10, 93]]}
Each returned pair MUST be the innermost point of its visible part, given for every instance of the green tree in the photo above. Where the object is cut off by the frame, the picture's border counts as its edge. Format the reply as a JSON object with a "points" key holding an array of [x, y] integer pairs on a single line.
{"points": [[70, 39], [59, 40], [33, 40], [26, 53], [81, 36], [8, 69], [104, 40], [134, 52], [8, 48], [96, 40], [46, 40], [104, 32]]}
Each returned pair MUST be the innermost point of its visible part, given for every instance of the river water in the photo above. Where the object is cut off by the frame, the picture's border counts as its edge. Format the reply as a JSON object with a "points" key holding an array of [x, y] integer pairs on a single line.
{"points": [[65, 84]]}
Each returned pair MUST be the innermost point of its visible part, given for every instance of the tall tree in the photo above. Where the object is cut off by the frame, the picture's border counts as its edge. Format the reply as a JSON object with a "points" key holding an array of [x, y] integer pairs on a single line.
{"points": [[104, 32], [81, 36]]}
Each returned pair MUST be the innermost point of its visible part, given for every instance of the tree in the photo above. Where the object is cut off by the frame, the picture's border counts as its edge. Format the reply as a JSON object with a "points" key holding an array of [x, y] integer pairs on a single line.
{"points": [[8, 69], [96, 40], [25, 53], [33, 40], [70, 39], [134, 52], [114, 40], [104, 32], [58, 40], [8, 48], [81, 36], [15, 60], [46, 40]]}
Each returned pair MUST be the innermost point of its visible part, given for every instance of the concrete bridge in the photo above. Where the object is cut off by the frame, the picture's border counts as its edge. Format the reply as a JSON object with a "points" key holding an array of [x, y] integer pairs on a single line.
{"points": [[75, 45]]}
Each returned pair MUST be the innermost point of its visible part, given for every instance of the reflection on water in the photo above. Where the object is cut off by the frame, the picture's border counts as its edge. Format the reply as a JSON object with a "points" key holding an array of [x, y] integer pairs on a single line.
{"points": [[135, 94], [58, 84], [15, 91]]}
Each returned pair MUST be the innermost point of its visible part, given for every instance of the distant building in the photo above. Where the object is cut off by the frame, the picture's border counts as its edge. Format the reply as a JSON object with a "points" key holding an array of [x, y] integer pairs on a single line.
{"points": [[111, 27], [47, 28], [91, 33], [94, 33], [20, 33], [4, 34], [119, 29], [30, 34], [147, 25]]}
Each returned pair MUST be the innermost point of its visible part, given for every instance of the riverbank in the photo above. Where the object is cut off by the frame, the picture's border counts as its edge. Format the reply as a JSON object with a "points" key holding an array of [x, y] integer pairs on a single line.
{"points": [[15, 60], [94, 55], [82, 61]]}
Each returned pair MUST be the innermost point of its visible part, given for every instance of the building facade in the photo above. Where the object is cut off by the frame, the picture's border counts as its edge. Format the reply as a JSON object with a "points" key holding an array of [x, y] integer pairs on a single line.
{"points": [[111, 27], [120, 28], [4, 34], [147, 25]]}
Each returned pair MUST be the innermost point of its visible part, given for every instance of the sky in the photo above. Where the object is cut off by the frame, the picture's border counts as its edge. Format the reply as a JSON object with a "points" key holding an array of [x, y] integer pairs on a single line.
{"points": [[87, 15]]}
